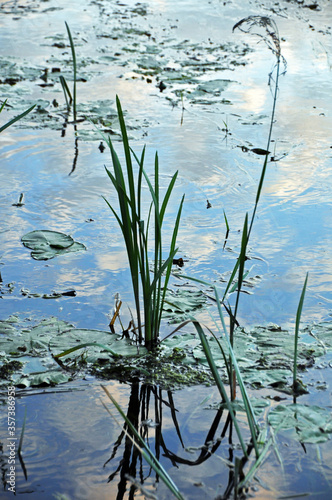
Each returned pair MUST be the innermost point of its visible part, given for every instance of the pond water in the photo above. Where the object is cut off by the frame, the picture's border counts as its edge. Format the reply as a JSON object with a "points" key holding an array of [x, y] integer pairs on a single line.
{"points": [[214, 110]]}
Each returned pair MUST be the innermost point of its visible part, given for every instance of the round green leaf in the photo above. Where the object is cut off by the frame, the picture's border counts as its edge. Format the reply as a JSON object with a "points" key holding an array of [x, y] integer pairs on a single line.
{"points": [[37, 240], [46, 244]]}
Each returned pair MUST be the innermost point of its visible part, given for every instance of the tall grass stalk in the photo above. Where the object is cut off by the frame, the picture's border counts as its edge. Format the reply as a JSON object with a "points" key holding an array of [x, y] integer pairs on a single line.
{"points": [[150, 276], [272, 40], [271, 37]]}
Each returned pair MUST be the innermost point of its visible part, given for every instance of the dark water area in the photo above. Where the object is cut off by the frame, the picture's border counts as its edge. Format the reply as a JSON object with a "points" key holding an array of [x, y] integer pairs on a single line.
{"points": [[214, 110]]}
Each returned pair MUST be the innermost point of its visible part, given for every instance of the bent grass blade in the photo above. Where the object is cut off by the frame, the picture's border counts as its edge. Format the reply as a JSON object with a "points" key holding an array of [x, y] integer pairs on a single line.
{"points": [[73, 53], [14, 120]]}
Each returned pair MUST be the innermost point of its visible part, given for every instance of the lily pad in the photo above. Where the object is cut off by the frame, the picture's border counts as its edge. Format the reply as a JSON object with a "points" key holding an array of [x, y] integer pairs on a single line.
{"points": [[46, 244], [264, 354], [323, 332], [307, 424], [178, 304], [214, 87], [74, 337], [52, 377]]}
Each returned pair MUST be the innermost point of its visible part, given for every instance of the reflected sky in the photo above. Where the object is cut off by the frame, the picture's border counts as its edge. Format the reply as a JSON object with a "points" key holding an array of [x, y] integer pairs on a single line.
{"points": [[292, 232]]}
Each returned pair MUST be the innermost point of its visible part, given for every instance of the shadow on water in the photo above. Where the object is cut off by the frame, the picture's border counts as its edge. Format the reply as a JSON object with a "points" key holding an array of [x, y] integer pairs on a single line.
{"points": [[76, 150]]}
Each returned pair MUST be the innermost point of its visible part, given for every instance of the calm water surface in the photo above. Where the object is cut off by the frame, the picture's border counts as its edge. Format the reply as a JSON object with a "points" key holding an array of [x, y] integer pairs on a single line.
{"points": [[206, 143]]}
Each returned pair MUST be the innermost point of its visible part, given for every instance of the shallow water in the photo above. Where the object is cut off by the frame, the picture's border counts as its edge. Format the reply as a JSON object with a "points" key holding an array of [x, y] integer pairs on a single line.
{"points": [[72, 446], [120, 47]]}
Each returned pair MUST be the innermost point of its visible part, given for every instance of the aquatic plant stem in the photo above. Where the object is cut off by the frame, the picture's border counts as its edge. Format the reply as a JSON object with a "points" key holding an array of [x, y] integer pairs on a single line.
{"points": [[273, 42], [261, 181], [72, 47], [297, 329]]}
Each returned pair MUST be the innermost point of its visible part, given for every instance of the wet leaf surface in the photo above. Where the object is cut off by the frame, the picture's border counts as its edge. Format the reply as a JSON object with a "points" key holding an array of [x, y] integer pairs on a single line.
{"points": [[307, 424], [264, 354], [181, 302], [48, 244]]}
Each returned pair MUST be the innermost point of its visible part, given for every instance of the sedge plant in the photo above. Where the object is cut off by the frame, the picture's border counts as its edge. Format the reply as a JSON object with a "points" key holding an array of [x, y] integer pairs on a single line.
{"points": [[150, 270]]}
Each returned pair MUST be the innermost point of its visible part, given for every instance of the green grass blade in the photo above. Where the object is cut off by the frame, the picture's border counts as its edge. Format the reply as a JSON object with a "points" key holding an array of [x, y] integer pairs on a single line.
{"points": [[242, 259], [3, 105], [73, 53], [66, 92], [127, 151], [297, 329], [167, 196], [172, 252], [256, 464], [253, 425], [226, 222], [219, 382], [14, 120], [81, 346]]}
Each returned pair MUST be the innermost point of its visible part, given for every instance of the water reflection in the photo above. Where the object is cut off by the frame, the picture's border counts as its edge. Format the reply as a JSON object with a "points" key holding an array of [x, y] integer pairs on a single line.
{"points": [[154, 414]]}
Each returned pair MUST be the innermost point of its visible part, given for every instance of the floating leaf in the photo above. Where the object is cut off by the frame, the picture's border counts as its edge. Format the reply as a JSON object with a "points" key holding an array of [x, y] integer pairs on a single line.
{"points": [[74, 337], [181, 302], [6, 327], [52, 377], [264, 354], [48, 244], [259, 405], [308, 424], [214, 87], [322, 332], [259, 151]]}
